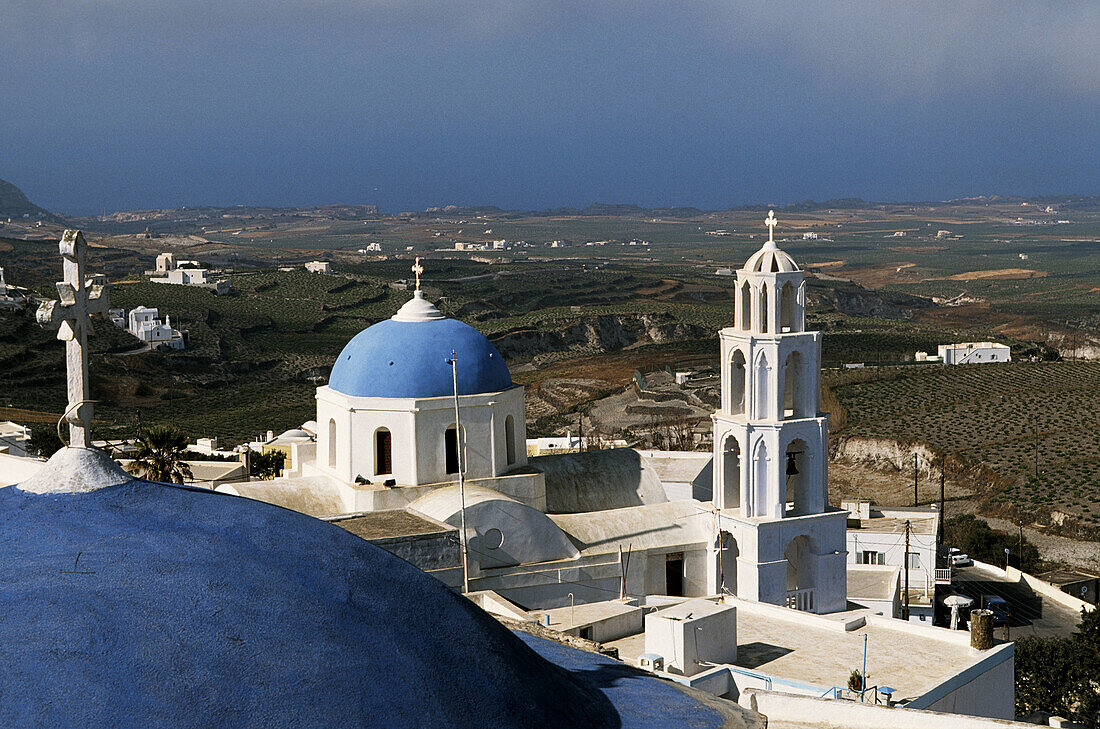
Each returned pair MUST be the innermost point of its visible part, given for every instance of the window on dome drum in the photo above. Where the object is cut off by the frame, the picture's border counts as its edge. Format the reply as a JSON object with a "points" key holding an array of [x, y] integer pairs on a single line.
{"points": [[383, 456], [450, 441], [331, 443], [510, 438]]}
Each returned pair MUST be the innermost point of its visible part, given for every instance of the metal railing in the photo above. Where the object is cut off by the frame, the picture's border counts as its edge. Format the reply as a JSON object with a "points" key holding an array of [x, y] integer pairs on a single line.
{"points": [[943, 576]]}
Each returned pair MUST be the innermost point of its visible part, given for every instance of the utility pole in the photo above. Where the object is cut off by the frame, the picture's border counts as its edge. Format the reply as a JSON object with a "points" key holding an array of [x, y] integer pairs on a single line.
{"points": [[461, 479], [905, 567]]}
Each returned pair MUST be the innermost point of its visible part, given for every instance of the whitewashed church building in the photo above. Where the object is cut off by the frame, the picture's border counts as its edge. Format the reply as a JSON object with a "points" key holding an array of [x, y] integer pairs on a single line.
{"points": [[753, 520]]}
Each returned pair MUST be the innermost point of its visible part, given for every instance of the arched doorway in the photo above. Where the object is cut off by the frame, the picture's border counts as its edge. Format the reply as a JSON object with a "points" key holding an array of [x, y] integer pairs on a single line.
{"points": [[738, 376], [800, 587], [383, 452]]}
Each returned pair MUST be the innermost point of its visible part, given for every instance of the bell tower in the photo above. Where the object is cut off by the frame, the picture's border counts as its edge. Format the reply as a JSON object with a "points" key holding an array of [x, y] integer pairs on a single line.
{"points": [[770, 443]]}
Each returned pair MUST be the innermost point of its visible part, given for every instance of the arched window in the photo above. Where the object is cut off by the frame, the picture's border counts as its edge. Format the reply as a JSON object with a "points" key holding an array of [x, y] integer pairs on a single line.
{"points": [[787, 309], [764, 308], [331, 443], [737, 383], [759, 506], [746, 307], [383, 452], [510, 438], [731, 473], [450, 441]]}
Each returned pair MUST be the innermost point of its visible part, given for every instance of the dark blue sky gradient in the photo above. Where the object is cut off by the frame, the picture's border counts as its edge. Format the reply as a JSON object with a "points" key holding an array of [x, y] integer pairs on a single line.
{"points": [[126, 104]]}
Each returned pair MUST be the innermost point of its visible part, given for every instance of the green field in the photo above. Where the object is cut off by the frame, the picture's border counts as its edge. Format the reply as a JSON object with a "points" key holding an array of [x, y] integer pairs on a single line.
{"points": [[1035, 425]]}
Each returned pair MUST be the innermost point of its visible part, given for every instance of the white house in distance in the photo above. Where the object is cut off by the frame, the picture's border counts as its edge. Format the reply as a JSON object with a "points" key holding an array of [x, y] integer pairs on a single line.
{"points": [[974, 353], [319, 267], [186, 273], [145, 324]]}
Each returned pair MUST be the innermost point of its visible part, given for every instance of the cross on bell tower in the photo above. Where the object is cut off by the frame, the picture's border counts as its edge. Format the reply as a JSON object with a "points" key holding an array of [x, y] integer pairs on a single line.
{"points": [[417, 269], [771, 222], [81, 298]]}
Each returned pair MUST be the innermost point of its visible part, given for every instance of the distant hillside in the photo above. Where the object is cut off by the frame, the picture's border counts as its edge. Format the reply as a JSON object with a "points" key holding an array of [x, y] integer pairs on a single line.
{"points": [[14, 204]]}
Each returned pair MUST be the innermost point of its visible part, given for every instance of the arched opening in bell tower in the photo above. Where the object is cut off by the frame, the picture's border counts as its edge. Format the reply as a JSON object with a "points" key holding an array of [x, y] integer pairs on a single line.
{"points": [[794, 387], [731, 473], [764, 308], [787, 305], [798, 479], [746, 306], [738, 375]]}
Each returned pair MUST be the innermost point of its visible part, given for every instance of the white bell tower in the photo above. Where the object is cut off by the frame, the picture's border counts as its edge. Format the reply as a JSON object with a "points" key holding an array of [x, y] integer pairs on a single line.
{"points": [[770, 445]]}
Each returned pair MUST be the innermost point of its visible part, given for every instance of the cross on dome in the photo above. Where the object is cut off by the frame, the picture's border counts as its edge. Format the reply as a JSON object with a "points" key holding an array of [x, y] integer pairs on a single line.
{"points": [[80, 299], [771, 222], [417, 269]]}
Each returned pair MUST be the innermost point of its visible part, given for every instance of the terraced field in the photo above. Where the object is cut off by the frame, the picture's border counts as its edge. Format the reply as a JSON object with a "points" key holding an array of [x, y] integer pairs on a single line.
{"points": [[1037, 425]]}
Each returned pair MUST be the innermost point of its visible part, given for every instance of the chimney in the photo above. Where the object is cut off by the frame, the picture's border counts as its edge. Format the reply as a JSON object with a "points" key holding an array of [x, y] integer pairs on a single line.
{"points": [[981, 629]]}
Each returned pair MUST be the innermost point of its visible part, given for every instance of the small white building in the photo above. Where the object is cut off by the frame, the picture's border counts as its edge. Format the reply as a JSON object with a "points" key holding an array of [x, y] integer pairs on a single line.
{"points": [[723, 271], [14, 438], [373, 247], [145, 324], [974, 353], [319, 267], [876, 537]]}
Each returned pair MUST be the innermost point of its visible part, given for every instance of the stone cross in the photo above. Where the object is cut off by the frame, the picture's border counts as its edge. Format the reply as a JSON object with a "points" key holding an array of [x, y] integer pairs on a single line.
{"points": [[80, 299], [771, 222], [417, 269]]}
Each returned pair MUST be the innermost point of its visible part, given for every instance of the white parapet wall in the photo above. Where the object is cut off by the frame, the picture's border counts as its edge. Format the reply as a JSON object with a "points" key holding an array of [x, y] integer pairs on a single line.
{"points": [[793, 709]]}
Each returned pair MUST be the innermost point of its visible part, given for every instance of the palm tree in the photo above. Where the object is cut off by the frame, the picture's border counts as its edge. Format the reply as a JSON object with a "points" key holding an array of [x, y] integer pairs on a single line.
{"points": [[160, 455]]}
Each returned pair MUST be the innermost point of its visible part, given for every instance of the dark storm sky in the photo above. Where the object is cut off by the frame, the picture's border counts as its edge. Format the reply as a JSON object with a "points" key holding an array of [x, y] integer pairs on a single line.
{"points": [[125, 104]]}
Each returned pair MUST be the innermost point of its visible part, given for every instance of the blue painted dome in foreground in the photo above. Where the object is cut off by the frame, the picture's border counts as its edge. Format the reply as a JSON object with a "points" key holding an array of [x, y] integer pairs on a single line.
{"points": [[410, 359], [148, 605]]}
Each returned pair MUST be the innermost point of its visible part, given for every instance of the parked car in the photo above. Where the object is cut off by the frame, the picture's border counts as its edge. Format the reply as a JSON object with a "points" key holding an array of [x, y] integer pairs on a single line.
{"points": [[960, 559], [998, 607]]}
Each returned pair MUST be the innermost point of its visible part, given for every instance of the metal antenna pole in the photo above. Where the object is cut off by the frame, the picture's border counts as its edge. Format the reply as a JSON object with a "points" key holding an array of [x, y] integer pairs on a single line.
{"points": [[943, 500], [461, 480]]}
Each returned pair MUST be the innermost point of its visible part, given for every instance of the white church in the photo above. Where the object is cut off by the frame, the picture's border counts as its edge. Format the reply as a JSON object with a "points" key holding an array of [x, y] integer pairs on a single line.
{"points": [[753, 521]]}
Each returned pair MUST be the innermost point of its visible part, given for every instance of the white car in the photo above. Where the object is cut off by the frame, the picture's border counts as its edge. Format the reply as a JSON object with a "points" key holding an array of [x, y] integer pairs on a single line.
{"points": [[960, 559]]}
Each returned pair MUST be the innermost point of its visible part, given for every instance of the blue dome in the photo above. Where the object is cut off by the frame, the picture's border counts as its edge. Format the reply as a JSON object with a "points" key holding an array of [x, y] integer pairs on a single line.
{"points": [[148, 605], [410, 359]]}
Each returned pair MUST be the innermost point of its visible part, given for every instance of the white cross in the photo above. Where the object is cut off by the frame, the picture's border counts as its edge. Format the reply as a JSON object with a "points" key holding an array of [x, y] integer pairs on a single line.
{"points": [[80, 299], [771, 222], [417, 269]]}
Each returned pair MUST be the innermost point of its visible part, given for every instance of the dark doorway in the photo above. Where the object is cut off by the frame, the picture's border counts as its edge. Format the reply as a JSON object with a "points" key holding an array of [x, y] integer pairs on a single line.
{"points": [[451, 441], [383, 456], [674, 575]]}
